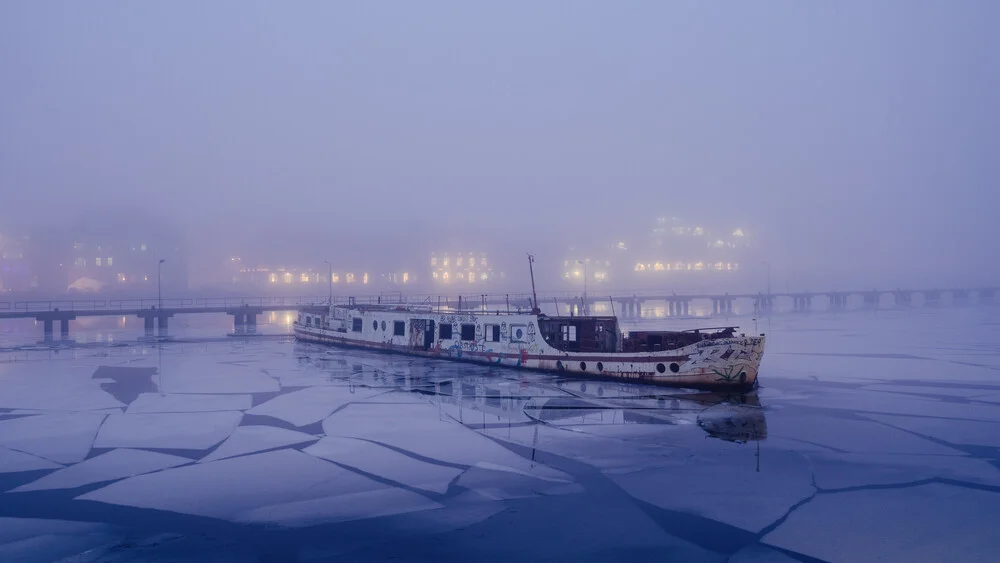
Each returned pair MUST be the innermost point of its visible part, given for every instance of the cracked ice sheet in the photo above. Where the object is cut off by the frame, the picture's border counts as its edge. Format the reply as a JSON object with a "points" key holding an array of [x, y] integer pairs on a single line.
{"points": [[188, 402], [852, 435], [861, 401], [12, 461], [299, 487], [417, 428], [198, 373], [721, 484], [383, 462], [30, 539], [63, 438], [194, 431], [307, 406], [505, 485], [970, 432], [109, 466], [250, 439], [837, 471], [52, 386], [933, 522]]}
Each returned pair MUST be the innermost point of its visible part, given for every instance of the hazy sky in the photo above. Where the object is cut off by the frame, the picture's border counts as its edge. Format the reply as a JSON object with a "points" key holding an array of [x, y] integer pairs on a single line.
{"points": [[862, 128]]}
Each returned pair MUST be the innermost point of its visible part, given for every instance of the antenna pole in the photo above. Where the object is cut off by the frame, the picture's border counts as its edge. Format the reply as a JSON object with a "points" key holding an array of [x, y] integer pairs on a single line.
{"points": [[534, 308]]}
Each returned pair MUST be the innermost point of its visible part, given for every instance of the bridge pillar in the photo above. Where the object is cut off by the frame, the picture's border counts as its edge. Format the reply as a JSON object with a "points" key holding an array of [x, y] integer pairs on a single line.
{"points": [[148, 325], [684, 305], [239, 322], [959, 295], [729, 306], [64, 328], [47, 329], [162, 325], [932, 297], [251, 322], [902, 297]]}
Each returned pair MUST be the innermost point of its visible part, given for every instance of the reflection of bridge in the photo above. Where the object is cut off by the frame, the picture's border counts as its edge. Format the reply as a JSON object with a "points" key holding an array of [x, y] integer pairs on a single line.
{"points": [[153, 311]]}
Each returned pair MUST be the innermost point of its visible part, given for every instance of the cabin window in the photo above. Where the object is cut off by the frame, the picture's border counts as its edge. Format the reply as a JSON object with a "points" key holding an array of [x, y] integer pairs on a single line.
{"points": [[356, 324], [468, 332], [399, 328], [445, 331], [383, 326], [492, 333], [518, 333], [568, 333], [374, 325], [309, 321]]}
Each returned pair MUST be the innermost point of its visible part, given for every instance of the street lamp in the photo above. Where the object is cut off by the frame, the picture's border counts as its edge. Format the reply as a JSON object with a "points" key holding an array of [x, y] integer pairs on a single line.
{"points": [[585, 305], [329, 280], [159, 294]]}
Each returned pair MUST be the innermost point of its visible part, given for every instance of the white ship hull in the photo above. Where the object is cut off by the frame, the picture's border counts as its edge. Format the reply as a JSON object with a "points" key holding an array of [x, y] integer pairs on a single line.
{"points": [[514, 340]]}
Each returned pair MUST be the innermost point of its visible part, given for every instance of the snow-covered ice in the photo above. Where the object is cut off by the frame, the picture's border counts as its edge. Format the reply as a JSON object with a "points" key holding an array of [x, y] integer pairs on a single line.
{"points": [[308, 406], [188, 402], [12, 461]]}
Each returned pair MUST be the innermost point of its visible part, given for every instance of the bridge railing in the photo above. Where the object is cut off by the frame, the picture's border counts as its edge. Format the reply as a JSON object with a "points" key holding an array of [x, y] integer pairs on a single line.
{"points": [[62, 305]]}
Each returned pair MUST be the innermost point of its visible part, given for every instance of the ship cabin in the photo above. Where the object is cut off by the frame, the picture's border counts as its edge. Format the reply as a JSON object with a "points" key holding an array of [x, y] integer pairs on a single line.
{"points": [[581, 334], [657, 340]]}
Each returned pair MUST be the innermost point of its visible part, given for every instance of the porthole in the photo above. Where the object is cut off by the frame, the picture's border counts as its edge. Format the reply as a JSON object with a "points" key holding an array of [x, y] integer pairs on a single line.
{"points": [[383, 326], [583, 366], [600, 366], [374, 325], [661, 368], [600, 391], [583, 387], [674, 367]]}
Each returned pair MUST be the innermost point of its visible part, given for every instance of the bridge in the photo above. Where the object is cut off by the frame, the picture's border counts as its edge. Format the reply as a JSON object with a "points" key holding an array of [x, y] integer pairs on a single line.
{"points": [[154, 312], [244, 310]]}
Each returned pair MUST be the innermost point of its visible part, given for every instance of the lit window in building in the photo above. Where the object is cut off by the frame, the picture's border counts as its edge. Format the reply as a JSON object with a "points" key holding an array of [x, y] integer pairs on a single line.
{"points": [[110, 261], [406, 277], [334, 278], [699, 266], [738, 233], [303, 277], [434, 275], [472, 277], [350, 277], [97, 260], [621, 246], [142, 247], [274, 278], [718, 266], [364, 278], [484, 276], [460, 275], [288, 277], [472, 262], [444, 276], [445, 262], [698, 231], [658, 267], [639, 267]]}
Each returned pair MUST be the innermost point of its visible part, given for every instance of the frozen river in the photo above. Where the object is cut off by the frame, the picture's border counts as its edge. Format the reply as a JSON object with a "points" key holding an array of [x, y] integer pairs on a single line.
{"points": [[873, 436]]}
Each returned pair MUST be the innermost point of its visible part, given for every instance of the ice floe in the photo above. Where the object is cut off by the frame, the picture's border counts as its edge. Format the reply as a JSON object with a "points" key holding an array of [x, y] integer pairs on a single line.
{"points": [[63, 438], [250, 439], [108, 466], [235, 488], [385, 463], [12, 461], [311, 405], [933, 522], [194, 431], [188, 402]]}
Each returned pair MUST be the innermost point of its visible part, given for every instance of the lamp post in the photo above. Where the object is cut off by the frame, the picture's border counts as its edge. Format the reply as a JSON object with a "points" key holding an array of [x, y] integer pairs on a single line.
{"points": [[586, 306], [159, 294], [329, 280]]}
